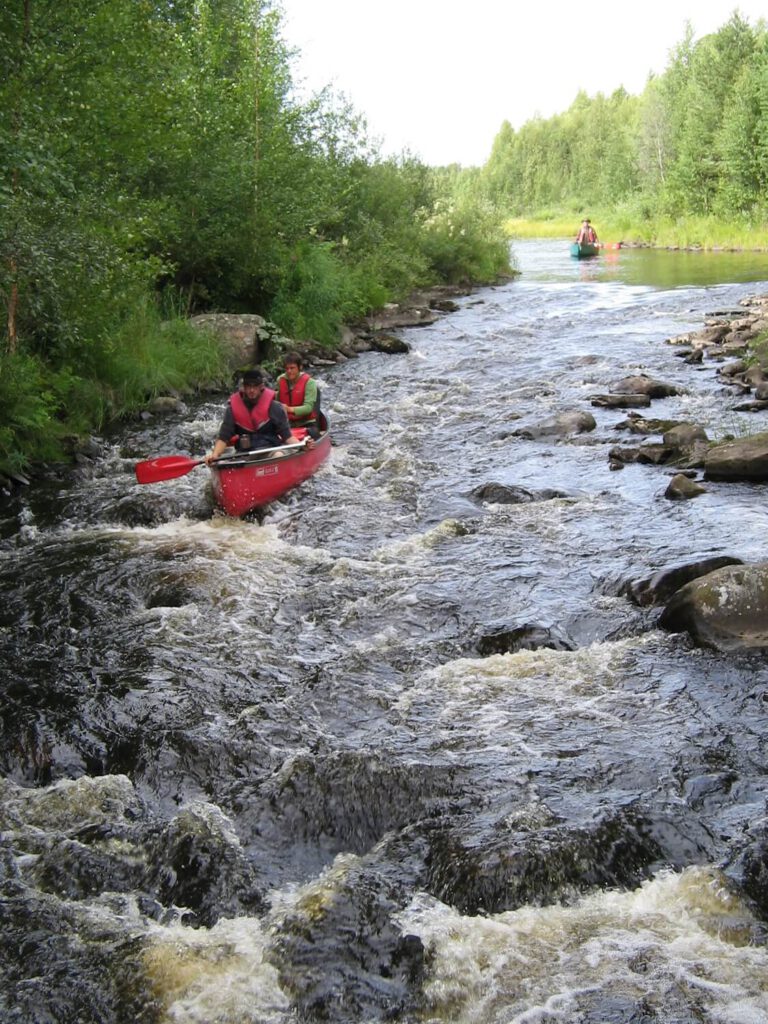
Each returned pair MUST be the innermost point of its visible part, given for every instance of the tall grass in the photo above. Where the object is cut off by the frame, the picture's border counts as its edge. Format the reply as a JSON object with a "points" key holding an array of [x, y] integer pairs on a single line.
{"points": [[640, 226], [42, 409]]}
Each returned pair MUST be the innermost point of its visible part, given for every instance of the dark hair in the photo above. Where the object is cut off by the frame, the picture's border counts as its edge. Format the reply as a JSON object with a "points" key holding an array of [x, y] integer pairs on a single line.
{"points": [[253, 377], [292, 357]]}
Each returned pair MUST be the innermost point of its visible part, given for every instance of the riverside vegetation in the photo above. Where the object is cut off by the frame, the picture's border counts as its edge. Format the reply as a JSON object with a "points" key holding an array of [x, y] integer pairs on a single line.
{"points": [[155, 161]]}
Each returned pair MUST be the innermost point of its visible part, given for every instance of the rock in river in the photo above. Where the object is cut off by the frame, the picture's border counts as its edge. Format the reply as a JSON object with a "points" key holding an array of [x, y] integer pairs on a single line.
{"points": [[727, 609]]}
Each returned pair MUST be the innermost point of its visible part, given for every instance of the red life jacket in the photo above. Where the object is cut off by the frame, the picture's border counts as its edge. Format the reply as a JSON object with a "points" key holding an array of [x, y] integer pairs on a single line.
{"points": [[251, 420], [294, 396]]}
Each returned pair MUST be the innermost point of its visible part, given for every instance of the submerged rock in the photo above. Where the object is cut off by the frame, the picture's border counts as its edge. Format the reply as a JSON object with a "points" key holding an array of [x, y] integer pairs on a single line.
{"points": [[574, 421], [503, 494], [643, 385], [527, 637]]}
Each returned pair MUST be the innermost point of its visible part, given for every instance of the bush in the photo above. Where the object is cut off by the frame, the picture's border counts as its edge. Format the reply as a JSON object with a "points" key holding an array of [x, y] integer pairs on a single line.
{"points": [[465, 243]]}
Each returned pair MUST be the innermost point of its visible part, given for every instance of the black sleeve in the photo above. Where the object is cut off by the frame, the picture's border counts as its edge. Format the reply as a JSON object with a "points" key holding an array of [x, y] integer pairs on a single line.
{"points": [[227, 428]]}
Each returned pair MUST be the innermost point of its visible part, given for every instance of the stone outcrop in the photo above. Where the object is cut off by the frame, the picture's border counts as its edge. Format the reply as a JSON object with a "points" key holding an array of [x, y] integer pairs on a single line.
{"points": [[250, 340]]}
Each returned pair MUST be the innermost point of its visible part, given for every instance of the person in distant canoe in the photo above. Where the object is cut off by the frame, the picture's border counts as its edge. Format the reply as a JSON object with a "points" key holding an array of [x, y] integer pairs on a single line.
{"points": [[586, 233], [253, 419], [298, 393]]}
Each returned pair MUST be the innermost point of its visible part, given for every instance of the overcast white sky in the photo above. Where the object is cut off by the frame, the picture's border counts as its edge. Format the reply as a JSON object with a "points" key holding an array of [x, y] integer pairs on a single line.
{"points": [[438, 77]]}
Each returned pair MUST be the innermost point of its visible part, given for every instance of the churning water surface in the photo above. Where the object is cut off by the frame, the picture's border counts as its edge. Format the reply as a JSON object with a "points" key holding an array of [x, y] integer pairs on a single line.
{"points": [[294, 768]]}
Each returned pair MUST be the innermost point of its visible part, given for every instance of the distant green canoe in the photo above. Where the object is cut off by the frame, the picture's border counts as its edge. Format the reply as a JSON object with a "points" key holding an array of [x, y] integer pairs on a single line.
{"points": [[581, 249]]}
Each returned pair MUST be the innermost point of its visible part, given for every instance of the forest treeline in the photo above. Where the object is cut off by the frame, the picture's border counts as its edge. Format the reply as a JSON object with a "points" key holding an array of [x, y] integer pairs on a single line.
{"points": [[693, 145], [156, 160]]}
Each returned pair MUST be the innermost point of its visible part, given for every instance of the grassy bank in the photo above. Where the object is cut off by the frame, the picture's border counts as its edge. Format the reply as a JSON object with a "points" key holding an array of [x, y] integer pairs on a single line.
{"points": [[614, 226], [46, 409]]}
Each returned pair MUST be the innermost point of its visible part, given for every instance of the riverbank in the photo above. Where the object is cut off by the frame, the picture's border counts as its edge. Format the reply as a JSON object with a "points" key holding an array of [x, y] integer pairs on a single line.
{"points": [[707, 234]]}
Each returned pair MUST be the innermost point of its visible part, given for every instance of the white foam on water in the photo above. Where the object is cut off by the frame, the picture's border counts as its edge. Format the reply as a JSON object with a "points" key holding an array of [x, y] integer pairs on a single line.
{"points": [[582, 679], [680, 938], [218, 975], [66, 805]]}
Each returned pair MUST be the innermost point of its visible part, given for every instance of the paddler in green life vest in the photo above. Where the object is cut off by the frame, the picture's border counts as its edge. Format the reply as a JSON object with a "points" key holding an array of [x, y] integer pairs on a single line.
{"points": [[298, 394]]}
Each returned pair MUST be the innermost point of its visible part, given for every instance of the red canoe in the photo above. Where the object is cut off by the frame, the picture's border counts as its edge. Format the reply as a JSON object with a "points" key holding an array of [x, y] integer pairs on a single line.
{"points": [[242, 484]]}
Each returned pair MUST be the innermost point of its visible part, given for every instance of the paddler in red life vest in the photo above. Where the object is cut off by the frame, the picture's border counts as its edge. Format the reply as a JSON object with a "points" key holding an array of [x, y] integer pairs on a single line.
{"points": [[298, 393], [253, 419], [587, 233]]}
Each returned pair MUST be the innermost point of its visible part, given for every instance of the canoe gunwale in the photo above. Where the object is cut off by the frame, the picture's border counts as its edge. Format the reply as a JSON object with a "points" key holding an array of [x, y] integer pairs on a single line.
{"points": [[238, 492]]}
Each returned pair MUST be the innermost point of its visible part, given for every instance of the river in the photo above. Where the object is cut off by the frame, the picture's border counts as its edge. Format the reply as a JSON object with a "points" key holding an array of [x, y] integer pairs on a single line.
{"points": [[390, 752]]}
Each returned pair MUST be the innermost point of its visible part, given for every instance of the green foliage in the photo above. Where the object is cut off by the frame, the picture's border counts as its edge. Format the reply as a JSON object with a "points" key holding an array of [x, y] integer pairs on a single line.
{"points": [[30, 398], [694, 144], [43, 408], [147, 356], [465, 242], [157, 151], [314, 295]]}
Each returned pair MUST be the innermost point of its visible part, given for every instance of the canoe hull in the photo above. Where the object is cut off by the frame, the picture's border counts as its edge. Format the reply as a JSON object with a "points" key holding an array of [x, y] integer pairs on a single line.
{"points": [[250, 483], [582, 249]]}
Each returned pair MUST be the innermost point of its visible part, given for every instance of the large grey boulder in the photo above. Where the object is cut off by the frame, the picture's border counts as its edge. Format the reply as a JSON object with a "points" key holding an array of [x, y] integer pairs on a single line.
{"points": [[246, 336], [727, 609], [660, 587], [575, 421], [640, 384], [744, 458]]}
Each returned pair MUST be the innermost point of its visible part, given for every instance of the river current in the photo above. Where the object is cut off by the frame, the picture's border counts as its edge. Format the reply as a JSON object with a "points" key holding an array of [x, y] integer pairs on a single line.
{"points": [[390, 751]]}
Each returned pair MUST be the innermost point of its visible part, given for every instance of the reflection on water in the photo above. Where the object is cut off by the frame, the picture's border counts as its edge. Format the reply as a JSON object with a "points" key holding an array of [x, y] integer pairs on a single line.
{"points": [[655, 268]]}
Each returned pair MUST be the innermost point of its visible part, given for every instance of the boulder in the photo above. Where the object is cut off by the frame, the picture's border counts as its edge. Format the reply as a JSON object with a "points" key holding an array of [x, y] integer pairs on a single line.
{"points": [[165, 405], [389, 343], [669, 579], [738, 366], [245, 335], [684, 435], [744, 458], [727, 609], [640, 384], [526, 637], [682, 487], [572, 422], [620, 401], [637, 424]]}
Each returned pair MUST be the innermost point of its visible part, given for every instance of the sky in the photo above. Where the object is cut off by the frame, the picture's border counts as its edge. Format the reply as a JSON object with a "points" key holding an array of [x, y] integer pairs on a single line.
{"points": [[438, 77]]}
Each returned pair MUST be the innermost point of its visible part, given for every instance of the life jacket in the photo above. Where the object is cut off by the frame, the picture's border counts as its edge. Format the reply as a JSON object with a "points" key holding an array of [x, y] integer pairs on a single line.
{"points": [[294, 396], [252, 421]]}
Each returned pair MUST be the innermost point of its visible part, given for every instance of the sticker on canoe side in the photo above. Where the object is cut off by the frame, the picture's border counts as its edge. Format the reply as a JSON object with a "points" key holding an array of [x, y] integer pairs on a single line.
{"points": [[266, 471]]}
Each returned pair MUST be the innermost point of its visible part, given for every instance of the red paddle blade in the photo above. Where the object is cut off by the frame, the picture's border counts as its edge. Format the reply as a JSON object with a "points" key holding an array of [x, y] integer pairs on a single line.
{"points": [[166, 468]]}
